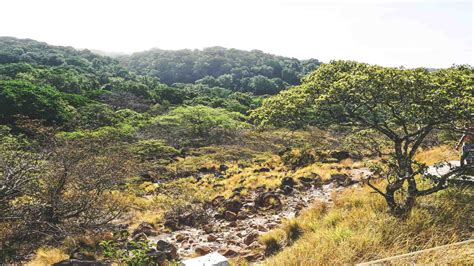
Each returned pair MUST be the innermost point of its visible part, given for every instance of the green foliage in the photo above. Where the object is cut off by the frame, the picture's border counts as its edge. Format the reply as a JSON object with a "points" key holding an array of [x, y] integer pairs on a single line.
{"points": [[137, 252], [153, 150], [402, 105], [40, 102], [200, 123], [233, 69]]}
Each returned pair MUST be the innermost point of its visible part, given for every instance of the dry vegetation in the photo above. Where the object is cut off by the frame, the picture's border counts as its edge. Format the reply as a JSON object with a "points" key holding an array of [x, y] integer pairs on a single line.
{"points": [[357, 227]]}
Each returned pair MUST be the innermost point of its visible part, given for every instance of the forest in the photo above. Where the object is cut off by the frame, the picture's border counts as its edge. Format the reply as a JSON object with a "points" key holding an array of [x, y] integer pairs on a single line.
{"points": [[160, 156]]}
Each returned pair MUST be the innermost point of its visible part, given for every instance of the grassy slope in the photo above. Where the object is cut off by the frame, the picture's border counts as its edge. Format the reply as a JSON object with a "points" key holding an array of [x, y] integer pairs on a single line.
{"points": [[357, 227]]}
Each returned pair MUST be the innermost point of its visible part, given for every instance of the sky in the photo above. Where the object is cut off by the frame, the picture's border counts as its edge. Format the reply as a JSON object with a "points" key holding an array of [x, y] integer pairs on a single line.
{"points": [[435, 33]]}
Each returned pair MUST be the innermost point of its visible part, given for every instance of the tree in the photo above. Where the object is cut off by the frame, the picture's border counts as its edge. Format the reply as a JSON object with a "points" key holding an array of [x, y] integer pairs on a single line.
{"points": [[196, 125], [58, 188], [402, 105], [19, 97]]}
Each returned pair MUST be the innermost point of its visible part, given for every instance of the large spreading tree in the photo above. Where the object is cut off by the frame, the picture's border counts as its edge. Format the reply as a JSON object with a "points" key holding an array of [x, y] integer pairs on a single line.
{"points": [[402, 105]]}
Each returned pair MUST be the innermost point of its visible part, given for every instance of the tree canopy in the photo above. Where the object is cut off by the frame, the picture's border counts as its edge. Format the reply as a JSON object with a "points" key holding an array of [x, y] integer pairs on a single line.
{"points": [[402, 105]]}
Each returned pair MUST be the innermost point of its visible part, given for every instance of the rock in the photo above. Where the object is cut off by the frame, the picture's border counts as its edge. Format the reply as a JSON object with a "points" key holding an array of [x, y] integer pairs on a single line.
{"points": [[233, 224], [219, 216], [76, 262], [208, 228], [157, 256], [218, 201], [233, 205], [255, 245], [146, 228], [180, 237], [223, 167], [81, 256], [168, 249], [146, 177], [272, 225], [287, 181], [286, 190], [238, 189], [139, 237], [268, 200], [242, 215], [340, 155], [261, 228], [231, 252], [230, 216], [250, 238], [211, 238], [171, 223], [262, 170], [212, 259], [342, 180], [202, 250], [252, 256]]}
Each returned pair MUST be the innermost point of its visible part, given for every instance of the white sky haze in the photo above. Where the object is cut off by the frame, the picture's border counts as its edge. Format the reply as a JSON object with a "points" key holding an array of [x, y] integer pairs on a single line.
{"points": [[390, 33]]}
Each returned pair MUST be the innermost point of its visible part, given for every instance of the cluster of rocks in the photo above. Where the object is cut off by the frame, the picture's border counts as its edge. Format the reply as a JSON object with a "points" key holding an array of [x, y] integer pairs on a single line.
{"points": [[233, 225], [238, 221]]}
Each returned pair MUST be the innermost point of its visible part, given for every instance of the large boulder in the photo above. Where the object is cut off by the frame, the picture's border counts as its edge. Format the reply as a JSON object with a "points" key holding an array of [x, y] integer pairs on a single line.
{"points": [[233, 205], [340, 155], [146, 228], [212, 259], [342, 180], [268, 200], [76, 262], [168, 249], [287, 181], [230, 216], [250, 238]]}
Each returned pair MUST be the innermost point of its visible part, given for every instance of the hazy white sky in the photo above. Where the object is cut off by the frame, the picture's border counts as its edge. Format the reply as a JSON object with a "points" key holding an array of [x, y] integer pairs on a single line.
{"points": [[391, 33]]}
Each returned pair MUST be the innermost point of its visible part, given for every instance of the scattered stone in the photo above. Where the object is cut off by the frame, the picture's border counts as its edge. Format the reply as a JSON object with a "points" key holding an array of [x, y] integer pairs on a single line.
{"points": [[208, 228], [139, 237], [231, 252], [218, 201], [340, 155], [76, 262], [223, 167], [233, 224], [261, 228], [180, 237], [202, 250], [262, 170], [233, 205], [212, 259], [146, 228], [230, 216], [342, 180], [158, 256], [211, 238], [168, 249], [286, 190], [287, 181], [267, 201], [250, 238], [252, 256], [81, 256]]}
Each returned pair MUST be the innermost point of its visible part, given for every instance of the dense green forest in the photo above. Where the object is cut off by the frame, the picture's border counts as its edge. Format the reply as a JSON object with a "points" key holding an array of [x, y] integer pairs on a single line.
{"points": [[158, 156]]}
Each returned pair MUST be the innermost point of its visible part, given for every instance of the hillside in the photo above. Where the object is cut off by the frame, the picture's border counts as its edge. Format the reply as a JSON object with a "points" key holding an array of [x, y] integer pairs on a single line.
{"points": [[160, 156], [249, 71]]}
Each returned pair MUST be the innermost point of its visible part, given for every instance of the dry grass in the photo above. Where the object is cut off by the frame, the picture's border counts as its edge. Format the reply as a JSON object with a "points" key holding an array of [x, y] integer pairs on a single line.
{"points": [[357, 228], [48, 256], [437, 154]]}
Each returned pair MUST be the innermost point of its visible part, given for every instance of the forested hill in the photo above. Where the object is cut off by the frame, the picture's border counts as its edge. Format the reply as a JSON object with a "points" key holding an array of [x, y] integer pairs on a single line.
{"points": [[253, 71], [59, 84]]}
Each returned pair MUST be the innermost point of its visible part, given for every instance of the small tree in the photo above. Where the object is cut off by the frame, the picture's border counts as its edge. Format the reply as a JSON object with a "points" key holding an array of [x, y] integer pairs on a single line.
{"points": [[402, 105]]}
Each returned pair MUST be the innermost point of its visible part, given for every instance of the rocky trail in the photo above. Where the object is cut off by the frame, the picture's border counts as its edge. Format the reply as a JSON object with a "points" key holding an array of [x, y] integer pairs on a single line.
{"points": [[233, 225]]}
